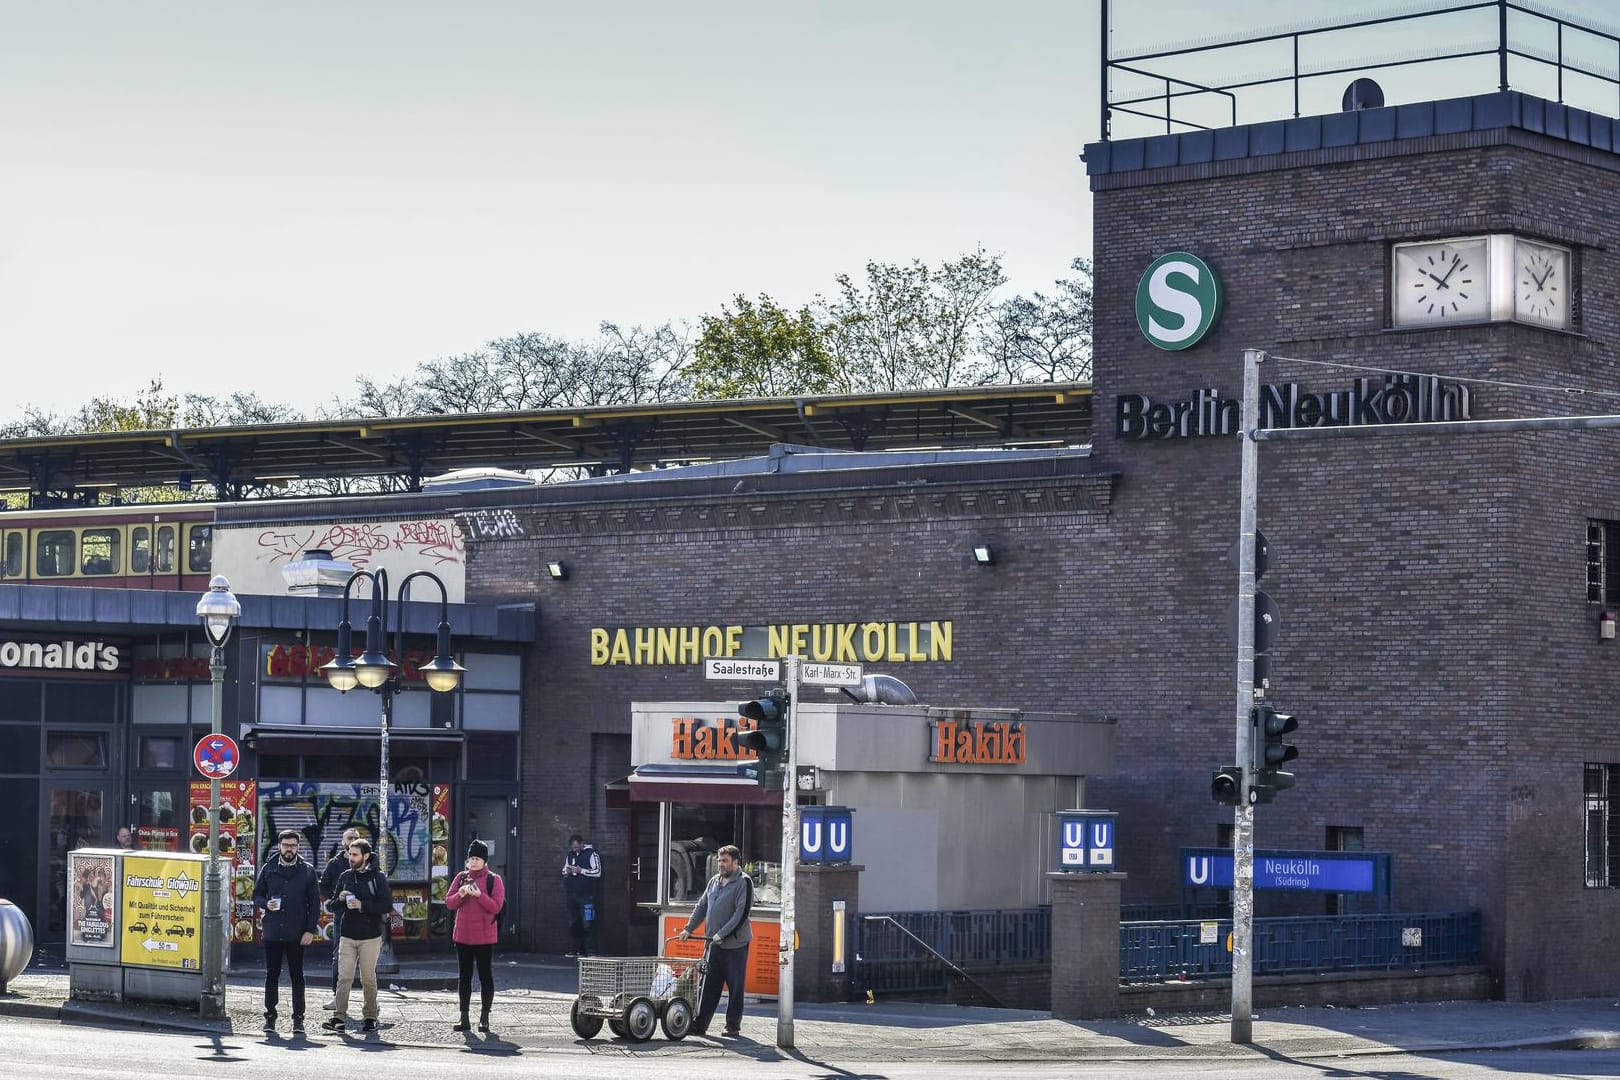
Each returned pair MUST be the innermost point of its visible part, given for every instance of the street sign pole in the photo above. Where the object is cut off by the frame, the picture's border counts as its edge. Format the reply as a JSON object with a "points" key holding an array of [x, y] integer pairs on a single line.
{"points": [[1243, 814], [790, 862]]}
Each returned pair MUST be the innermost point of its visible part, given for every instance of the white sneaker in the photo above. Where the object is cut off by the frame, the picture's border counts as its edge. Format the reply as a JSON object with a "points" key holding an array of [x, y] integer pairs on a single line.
{"points": [[330, 1004]]}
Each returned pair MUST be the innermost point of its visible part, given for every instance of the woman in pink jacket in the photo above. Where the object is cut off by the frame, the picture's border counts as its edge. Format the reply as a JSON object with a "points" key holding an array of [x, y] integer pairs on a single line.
{"points": [[477, 896]]}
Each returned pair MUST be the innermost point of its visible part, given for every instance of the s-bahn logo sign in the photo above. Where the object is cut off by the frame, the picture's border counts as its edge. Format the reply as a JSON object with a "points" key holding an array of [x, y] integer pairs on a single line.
{"points": [[1178, 301]]}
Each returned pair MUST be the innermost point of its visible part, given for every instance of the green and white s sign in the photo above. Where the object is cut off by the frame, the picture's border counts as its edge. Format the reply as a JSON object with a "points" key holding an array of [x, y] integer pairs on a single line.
{"points": [[1178, 301]]}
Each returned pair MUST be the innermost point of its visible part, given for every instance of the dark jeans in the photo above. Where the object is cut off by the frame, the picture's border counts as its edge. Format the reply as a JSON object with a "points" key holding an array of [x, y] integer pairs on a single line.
{"points": [[728, 966], [465, 955], [274, 953], [582, 929]]}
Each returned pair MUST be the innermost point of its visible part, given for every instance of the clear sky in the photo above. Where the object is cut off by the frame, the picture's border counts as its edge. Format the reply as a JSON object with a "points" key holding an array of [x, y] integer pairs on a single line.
{"points": [[277, 197]]}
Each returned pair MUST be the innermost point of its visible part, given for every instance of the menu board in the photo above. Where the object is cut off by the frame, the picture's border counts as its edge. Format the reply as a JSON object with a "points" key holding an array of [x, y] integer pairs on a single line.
{"points": [[238, 846]]}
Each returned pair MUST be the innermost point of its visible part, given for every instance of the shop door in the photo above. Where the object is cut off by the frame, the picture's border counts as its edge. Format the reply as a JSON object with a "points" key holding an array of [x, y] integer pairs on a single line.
{"points": [[642, 881], [75, 817], [490, 818]]}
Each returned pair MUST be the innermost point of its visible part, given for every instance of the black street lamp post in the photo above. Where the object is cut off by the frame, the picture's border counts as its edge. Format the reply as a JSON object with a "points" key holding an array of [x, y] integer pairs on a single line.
{"points": [[376, 671]]}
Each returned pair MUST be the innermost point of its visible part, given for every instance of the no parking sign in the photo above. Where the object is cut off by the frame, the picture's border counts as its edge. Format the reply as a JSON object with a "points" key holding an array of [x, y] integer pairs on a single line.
{"points": [[216, 756]]}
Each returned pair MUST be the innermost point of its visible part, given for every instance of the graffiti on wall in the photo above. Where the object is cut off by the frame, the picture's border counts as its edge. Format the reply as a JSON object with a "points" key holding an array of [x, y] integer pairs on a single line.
{"points": [[320, 812], [253, 557], [490, 524]]}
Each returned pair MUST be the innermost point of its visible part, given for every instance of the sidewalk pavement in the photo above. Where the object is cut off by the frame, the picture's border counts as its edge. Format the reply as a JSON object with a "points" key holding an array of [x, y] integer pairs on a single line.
{"points": [[531, 1012]]}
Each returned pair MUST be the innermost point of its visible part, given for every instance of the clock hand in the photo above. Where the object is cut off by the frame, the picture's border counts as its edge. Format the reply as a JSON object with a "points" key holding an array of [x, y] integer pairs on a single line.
{"points": [[1542, 280]]}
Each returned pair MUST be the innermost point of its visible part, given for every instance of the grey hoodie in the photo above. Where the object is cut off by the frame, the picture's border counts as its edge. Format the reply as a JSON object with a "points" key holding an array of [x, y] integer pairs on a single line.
{"points": [[725, 904]]}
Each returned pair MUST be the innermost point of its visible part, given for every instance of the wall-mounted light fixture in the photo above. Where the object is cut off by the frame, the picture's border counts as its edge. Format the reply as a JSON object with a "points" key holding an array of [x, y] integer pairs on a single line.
{"points": [[557, 569], [1606, 626], [983, 554]]}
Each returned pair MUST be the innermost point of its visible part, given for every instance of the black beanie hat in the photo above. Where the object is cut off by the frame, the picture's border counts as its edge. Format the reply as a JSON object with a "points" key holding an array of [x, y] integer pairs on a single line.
{"points": [[478, 850]]}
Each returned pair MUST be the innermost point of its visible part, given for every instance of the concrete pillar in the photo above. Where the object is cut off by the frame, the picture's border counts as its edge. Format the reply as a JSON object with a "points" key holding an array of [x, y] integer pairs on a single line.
{"points": [[1085, 945], [818, 886]]}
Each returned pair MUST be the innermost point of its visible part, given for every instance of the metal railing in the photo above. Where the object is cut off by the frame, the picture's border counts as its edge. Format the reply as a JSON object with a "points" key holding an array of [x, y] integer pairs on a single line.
{"points": [[917, 951], [1165, 951], [1565, 57], [907, 951]]}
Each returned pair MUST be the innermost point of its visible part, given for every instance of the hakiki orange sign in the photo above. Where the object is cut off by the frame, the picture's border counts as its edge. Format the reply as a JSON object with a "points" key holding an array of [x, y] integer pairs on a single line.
{"points": [[708, 740], [999, 742]]}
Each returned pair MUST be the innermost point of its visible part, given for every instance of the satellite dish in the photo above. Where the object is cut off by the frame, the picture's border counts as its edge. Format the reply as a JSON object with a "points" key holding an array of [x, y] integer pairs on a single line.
{"points": [[1362, 94]]}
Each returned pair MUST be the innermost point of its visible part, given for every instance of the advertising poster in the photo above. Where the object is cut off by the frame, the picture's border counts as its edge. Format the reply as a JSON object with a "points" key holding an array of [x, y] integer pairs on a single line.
{"points": [[764, 955], [238, 846], [162, 912], [93, 896]]}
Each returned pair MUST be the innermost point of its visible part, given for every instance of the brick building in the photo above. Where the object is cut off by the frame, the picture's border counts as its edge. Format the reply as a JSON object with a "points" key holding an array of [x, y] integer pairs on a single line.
{"points": [[1441, 596]]}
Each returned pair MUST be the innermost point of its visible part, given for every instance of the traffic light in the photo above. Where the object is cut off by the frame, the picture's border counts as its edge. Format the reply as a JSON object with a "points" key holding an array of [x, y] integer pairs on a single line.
{"points": [[1270, 752], [769, 739], [1226, 787]]}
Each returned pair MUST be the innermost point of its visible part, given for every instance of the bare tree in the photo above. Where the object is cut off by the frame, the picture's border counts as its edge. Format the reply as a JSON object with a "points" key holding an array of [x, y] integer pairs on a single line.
{"points": [[1043, 338]]}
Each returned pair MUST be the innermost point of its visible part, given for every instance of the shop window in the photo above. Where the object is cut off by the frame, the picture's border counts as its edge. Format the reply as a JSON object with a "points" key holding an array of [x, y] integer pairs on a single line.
{"points": [[101, 551], [199, 549], [19, 749], [157, 810], [76, 750], [140, 549], [20, 701], [159, 751], [16, 549], [1602, 826], [84, 701], [278, 767], [54, 553], [698, 831]]}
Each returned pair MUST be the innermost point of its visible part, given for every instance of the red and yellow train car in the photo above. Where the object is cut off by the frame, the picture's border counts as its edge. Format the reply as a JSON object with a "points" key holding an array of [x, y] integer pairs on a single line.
{"points": [[156, 546]]}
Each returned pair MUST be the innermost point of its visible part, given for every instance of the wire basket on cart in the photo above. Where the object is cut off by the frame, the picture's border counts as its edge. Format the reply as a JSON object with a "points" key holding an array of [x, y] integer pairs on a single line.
{"points": [[636, 994]]}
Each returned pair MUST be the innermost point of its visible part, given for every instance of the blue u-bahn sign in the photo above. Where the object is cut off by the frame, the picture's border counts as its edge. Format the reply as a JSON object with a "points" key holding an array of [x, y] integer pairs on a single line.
{"points": [[1085, 840], [1313, 871], [826, 834]]}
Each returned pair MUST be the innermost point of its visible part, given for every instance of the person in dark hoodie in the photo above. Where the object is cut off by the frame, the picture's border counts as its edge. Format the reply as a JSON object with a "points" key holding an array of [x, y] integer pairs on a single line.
{"points": [[582, 872], [723, 912], [335, 867], [367, 904], [288, 898]]}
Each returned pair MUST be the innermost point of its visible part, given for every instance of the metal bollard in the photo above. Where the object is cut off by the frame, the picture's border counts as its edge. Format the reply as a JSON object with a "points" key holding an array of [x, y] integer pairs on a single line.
{"points": [[16, 942]]}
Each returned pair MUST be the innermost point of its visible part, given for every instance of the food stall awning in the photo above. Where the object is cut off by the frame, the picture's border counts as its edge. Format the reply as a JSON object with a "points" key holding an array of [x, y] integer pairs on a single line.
{"points": [[729, 783]]}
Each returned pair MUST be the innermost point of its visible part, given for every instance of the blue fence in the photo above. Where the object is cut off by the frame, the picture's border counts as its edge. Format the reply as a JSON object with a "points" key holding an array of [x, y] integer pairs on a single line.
{"points": [[888, 960], [980, 941], [1157, 951]]}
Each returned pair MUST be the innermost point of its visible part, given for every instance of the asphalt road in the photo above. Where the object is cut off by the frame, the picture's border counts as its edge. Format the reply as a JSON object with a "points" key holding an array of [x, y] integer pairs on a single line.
{"points": [[30, 1048]]}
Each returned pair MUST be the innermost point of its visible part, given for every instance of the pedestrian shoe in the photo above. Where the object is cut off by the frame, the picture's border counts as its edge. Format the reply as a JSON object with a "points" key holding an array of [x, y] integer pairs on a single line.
{"points": [[269, 1018], [731, 1033], [483, 1023], [330, 1004], [368, 1025], [463, 1025], [298, 1023], [335, 1023]]}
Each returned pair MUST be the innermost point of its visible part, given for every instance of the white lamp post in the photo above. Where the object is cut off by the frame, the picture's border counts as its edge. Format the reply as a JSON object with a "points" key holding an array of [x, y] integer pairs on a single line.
{"points": [[376, 671], [218, 609]]}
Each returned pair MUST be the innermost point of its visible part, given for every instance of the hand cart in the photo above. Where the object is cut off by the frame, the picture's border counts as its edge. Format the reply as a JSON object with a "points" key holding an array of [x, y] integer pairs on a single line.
{"points": [[635, 994]]}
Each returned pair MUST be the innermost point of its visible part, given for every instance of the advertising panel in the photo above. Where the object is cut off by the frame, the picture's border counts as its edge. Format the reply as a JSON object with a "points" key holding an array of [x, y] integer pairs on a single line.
{"points": [[93, 896], [162, 912]]}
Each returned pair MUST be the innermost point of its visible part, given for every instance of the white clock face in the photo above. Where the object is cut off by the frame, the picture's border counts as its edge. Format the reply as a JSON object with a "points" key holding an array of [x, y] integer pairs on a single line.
{"points": [[1443, 282], [1541, 284]]}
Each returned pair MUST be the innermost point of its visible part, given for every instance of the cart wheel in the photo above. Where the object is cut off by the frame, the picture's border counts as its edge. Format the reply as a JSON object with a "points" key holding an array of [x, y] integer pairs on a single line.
{"points": [[617, 1027], [584, 1026], [677, 1019], [640, 1020]]}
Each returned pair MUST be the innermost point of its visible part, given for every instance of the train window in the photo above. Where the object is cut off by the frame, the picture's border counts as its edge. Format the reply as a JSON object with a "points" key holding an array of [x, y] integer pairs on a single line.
{"points": [[164, 555], [15, 552], [140, 549], [53, 552], [101, 550], [199, 548]]}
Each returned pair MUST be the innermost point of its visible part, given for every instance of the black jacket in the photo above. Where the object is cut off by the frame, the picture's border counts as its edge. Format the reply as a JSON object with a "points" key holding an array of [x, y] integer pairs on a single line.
{"points": [[376, 902], [300, 899]]}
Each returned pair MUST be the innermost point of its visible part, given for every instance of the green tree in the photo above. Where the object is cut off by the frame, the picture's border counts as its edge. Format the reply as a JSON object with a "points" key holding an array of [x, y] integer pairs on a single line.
{"points": [[759, 349], [913, 326], [1043, 338]]}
